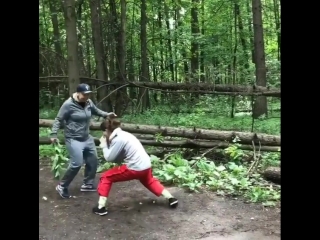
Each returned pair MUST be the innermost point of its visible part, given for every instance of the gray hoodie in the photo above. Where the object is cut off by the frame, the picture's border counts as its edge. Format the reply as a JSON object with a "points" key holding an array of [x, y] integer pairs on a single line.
{"points": [[126, 148], [75, 119]]}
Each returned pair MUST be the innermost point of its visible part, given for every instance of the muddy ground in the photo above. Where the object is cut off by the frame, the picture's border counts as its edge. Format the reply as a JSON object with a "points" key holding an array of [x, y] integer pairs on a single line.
{"points": [[135, 215]]}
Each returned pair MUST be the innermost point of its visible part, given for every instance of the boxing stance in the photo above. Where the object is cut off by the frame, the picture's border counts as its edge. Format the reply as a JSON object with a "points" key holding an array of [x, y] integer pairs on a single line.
{"points": [[120, 146]]}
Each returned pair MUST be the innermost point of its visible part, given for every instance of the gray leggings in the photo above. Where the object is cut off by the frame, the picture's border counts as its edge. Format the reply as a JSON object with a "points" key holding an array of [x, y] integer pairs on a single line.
{"points": [[79, 153]]}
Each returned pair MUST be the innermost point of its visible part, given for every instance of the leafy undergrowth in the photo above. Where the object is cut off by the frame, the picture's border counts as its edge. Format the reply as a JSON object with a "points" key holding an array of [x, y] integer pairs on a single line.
{"points": [[227, 178]]}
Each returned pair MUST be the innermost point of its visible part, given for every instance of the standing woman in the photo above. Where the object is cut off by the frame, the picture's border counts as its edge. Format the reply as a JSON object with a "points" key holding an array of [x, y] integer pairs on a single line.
{"points": [[75, 116]]}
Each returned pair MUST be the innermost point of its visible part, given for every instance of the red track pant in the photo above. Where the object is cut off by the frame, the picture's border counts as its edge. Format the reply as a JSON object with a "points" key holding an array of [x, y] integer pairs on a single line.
{"points": [[122, 174]]}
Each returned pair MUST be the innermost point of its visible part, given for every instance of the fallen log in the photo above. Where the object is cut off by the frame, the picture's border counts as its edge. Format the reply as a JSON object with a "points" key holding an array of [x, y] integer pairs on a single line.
{"points": [[172, 86], [187, 143], [273, 174], [244, 137], [210, 111], [158, 153]]}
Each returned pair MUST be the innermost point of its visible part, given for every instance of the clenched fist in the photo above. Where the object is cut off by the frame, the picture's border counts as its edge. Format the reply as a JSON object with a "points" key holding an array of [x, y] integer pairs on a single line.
{"points": [[103, 142]]}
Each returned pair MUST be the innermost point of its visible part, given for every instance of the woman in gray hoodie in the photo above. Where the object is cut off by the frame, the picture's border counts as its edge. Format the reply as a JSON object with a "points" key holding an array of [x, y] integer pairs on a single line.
{"points": [[75, 117]]}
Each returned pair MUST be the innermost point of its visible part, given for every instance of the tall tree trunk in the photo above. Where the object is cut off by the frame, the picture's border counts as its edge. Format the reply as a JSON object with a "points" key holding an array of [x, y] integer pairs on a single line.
{"points": [[154, 65], [45, 36], [184, 52], [121, 97], [243, 39], [162, 94], [249, 19], [160, 39], [80, 43], [56, 36], [260, 105], [55, 23], [143, 92], [171, 60], [99, 55], [277, 17], [202, 55], [114, 29], [88, 41], [195, 30], [72, 44], [131, 76], [234, 61]]}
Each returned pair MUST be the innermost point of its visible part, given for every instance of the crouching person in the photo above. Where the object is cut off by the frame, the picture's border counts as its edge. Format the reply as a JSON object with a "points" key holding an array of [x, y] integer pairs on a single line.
{"points": [[120, 146]]}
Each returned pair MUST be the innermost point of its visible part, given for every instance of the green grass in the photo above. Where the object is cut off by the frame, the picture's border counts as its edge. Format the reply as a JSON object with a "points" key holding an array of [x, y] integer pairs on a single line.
{"points": [[218, 118], [209, 121]]}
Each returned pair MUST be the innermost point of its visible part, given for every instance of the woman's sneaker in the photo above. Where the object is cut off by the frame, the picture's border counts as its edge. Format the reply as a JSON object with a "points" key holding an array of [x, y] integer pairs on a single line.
{"points": [[100, 211], [87, 188], [63, 192], [173, 202]]}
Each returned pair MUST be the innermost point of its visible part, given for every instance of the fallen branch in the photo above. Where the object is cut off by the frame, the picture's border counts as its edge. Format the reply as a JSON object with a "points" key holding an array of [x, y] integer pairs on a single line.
{"points": [[256, 159], [202, 155], [187, 143], [238, 111], [245, 137], [172, 86], [158, 153]]}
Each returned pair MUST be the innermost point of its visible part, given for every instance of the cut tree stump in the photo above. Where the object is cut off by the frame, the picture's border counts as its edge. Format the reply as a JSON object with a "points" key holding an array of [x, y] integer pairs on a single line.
{"points": [[273, 174]]}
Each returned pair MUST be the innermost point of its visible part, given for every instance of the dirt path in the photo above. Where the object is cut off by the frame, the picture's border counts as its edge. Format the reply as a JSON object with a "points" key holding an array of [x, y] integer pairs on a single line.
{"points": [[135, 215]]}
